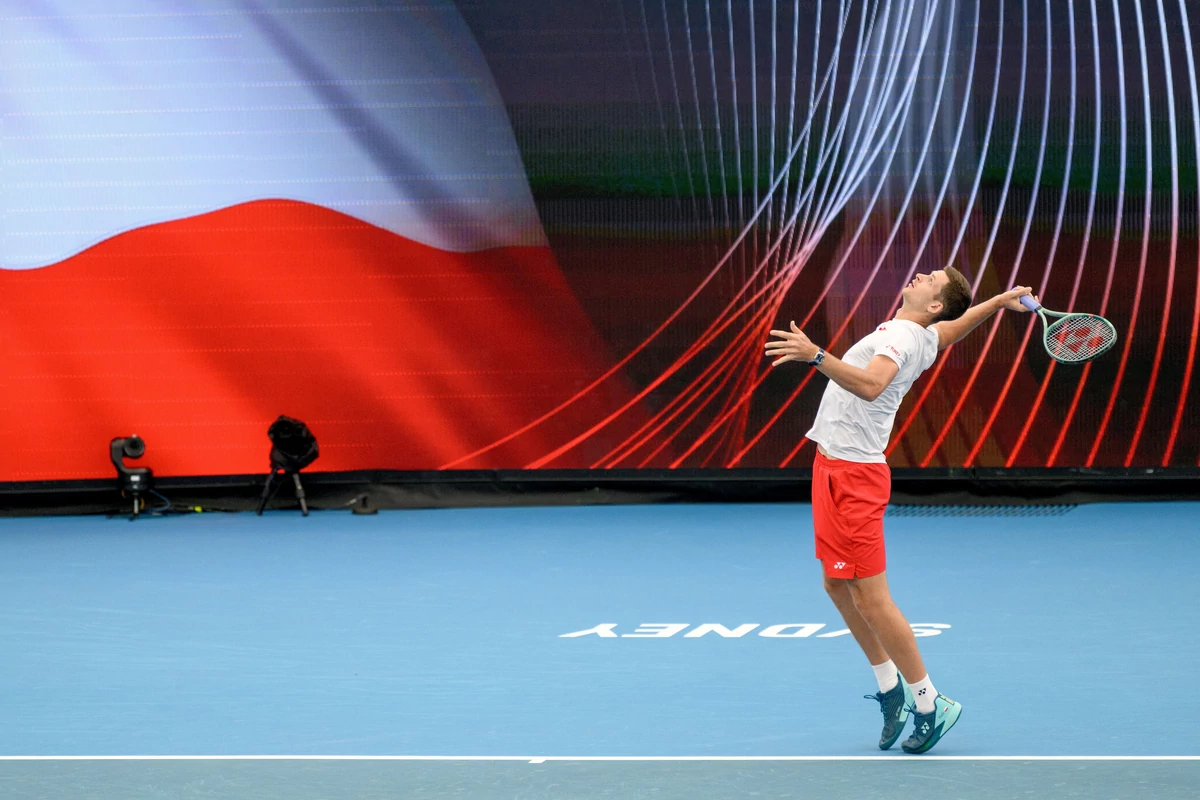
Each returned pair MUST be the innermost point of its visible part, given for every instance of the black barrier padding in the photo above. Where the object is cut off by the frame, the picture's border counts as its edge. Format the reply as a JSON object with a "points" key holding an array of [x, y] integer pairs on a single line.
{"points": [[400, 490]]}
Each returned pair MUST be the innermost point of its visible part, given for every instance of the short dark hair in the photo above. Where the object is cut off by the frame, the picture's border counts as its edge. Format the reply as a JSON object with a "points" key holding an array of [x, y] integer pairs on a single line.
{"points": [[955, 297]]}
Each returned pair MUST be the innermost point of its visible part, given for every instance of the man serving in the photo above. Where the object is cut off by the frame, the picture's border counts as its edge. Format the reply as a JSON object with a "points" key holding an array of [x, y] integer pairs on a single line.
{"points": [[852, 483]]}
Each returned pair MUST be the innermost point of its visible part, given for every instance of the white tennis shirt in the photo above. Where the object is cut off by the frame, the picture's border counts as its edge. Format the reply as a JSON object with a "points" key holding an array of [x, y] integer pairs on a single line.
{"points": [[853, 429]]}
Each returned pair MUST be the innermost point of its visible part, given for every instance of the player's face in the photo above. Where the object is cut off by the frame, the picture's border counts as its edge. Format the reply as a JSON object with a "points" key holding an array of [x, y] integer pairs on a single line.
{"points": [[923, 290]]}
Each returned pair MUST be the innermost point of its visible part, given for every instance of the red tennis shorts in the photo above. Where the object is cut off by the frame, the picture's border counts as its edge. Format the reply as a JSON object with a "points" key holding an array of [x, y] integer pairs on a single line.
{"points": [[848, 500]]}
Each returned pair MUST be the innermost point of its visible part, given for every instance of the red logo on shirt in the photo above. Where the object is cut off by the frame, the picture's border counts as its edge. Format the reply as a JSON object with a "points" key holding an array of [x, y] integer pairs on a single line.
{"points": [[882, 328], [894, 350]]}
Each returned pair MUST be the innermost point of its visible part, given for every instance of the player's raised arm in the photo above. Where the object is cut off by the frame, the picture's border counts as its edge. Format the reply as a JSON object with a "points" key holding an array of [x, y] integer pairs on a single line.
{"points": [[955, 330], [866, 383]]}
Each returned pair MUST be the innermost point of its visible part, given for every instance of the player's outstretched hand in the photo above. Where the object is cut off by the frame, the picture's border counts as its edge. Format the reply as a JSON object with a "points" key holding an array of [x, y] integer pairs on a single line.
{"points": [[1012, 298], [794, 346]]}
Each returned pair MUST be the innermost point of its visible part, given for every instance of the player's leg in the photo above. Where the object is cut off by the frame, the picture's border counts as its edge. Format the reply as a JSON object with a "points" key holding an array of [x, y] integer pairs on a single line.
{"points": [[935, 713], [873, 600], [838, 515], [893, 697], [829, 527], [838, 590], [858, 494]]}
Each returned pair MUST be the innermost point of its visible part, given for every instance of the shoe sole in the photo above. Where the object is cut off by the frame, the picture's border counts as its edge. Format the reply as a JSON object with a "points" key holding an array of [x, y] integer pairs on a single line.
{"points": [[945, 729]]}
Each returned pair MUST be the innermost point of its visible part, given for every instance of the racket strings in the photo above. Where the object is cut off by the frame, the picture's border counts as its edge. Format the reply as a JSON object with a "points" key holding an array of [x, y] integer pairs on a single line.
{"points": [[1079, 337]]}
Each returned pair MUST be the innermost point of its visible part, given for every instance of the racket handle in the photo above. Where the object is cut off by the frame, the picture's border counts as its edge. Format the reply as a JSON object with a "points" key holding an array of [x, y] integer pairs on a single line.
{"points": [[1030, 303]]}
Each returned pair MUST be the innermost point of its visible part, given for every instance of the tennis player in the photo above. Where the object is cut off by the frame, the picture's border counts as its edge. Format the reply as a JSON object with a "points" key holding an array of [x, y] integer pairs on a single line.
{"points": [[852, 482]]}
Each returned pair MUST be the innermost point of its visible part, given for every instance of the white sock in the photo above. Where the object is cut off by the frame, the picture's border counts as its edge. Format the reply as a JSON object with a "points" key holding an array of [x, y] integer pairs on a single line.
{"points": [[887, 676], [924, 694]]}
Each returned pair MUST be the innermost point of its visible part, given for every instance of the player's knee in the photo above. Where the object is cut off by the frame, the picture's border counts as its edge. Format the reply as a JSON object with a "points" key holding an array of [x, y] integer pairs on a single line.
{"points": [[869, 602], [838, 589]]}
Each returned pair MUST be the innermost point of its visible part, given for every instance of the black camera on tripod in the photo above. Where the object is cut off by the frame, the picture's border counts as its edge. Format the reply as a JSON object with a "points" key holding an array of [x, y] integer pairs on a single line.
{"points": [[132, 481], [293, 447]]}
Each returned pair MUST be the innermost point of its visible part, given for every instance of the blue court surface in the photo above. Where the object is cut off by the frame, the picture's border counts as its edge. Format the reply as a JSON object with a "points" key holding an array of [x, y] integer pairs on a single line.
{"points": [[609, 651]]}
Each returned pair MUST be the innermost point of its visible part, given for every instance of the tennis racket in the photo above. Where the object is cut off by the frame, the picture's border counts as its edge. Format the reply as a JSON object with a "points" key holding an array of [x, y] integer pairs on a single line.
{"points": [[1073, 338]]}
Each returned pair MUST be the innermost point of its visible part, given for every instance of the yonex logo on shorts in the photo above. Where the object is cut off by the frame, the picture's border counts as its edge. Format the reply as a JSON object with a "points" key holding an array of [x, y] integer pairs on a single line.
{"points": [[840, 565]]}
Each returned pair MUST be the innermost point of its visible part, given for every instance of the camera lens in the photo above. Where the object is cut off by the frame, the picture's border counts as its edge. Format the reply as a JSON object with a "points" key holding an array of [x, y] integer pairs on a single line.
{"points": [[134, 447]]}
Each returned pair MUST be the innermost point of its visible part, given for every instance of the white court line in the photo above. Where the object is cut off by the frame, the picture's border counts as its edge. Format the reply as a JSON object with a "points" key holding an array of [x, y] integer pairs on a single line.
{"points": [[542, 759]]}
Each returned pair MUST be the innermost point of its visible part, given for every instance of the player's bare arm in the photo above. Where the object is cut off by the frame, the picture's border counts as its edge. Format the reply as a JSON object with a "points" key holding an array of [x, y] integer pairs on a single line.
{"points": [[866, 384], [955, 330]]}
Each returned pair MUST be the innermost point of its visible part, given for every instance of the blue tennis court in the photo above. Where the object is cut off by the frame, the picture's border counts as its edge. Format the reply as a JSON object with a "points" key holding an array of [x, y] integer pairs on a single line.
{"points": [[664, 646]]}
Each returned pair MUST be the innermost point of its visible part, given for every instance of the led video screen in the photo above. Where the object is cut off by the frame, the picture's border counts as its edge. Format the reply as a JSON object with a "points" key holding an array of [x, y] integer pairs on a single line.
{"points": [[525, 235]]}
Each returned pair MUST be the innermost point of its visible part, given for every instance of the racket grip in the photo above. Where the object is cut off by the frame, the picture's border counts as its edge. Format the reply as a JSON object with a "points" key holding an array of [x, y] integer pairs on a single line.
{"points": [[1030, 303]]}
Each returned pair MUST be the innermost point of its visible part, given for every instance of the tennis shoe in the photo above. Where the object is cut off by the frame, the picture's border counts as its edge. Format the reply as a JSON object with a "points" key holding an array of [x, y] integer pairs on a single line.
{"points": [[928, 729], [894, 704]]}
